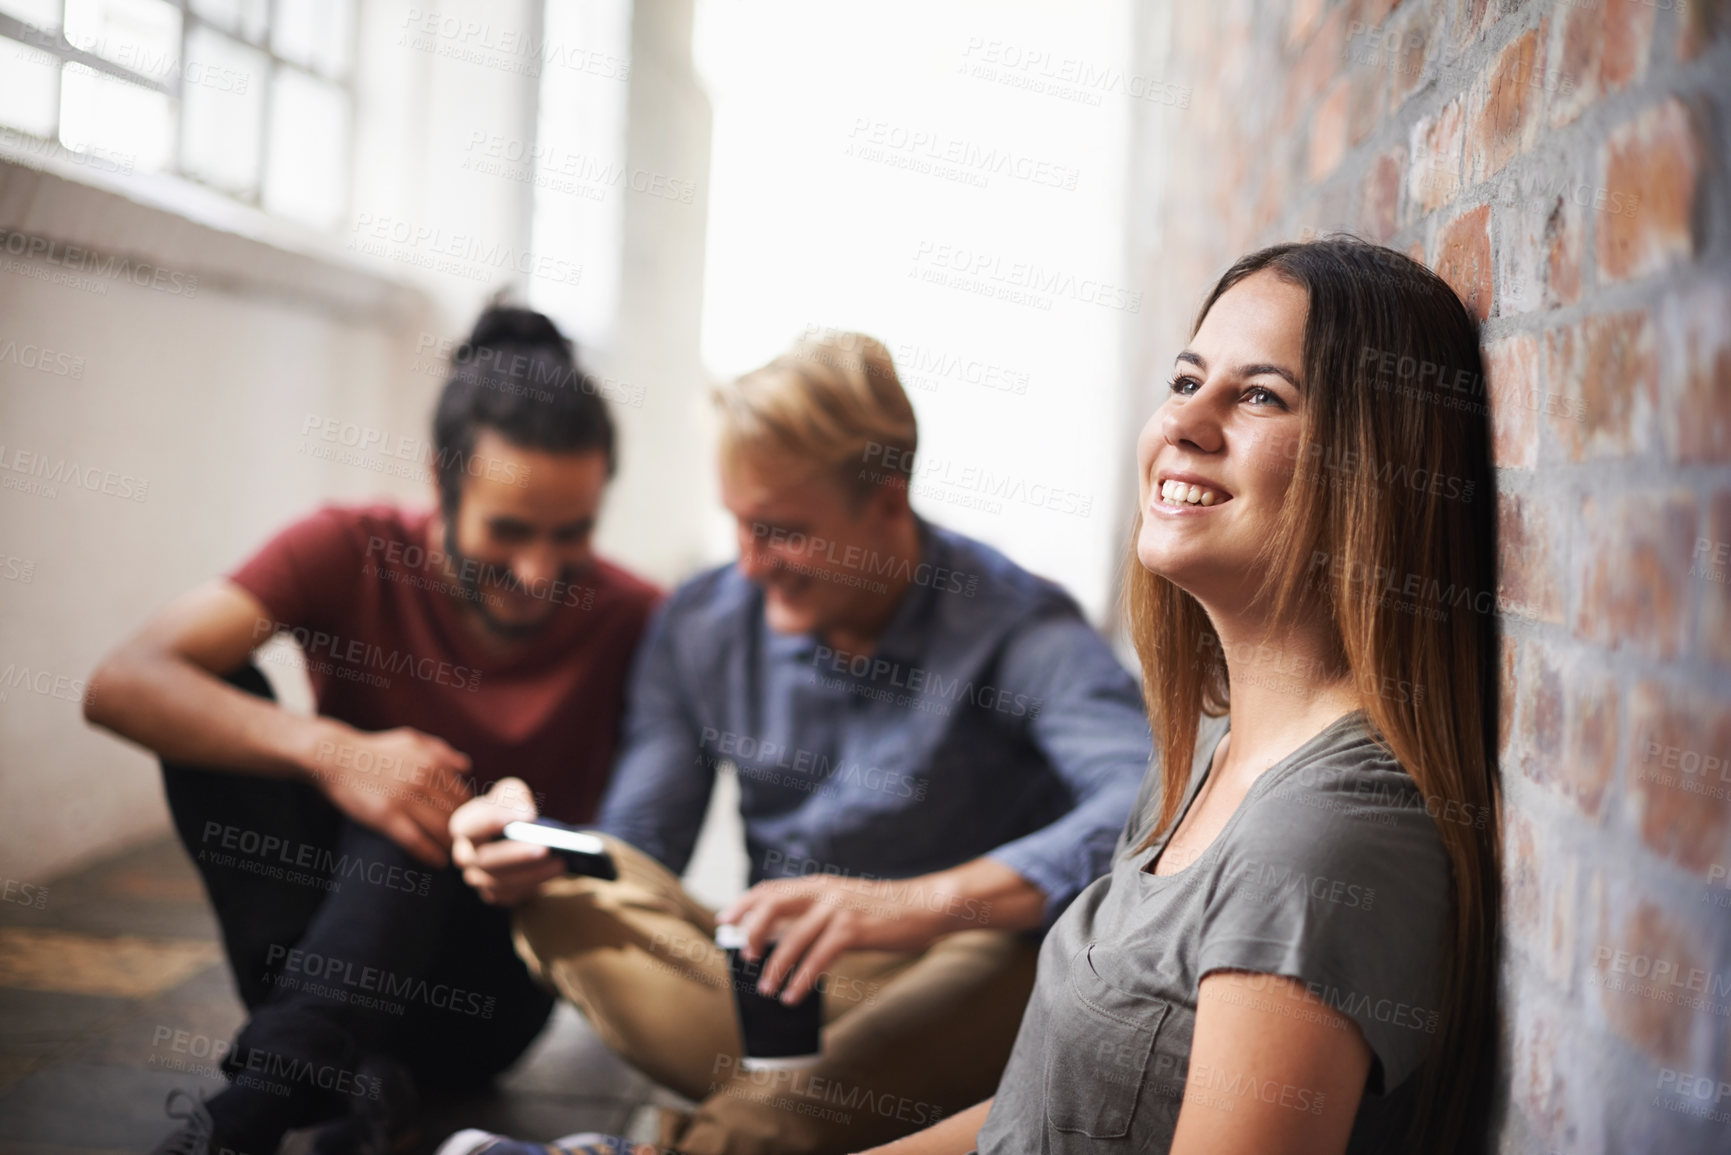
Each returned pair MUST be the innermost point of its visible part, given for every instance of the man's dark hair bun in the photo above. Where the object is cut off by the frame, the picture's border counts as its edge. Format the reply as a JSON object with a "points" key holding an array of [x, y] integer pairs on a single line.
{"points": [[507, 325], [517, 374]]}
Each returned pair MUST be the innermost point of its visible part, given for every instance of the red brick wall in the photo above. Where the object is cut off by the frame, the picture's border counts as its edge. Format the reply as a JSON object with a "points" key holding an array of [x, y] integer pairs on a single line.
{"points": [[1564, 166]]}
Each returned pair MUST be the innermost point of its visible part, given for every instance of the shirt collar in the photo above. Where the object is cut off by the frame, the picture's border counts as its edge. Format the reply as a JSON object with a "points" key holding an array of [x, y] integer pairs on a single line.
{"points": [[904, 639]]}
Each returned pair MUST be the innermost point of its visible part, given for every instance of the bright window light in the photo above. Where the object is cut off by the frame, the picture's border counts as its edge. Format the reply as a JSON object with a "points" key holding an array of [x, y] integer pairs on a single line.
{"points": [[314, 34], [223, 111], [143, 35], [29, 88], [307, 175], [99, 113], [243, 17]]}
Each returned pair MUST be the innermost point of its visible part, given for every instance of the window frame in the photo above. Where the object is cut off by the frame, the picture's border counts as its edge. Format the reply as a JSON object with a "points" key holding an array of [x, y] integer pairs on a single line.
{"points": [[55, 43]]}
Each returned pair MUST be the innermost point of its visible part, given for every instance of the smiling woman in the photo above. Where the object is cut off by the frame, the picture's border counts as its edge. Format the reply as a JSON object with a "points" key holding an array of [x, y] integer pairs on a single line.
{"points": [[1293, 950]]}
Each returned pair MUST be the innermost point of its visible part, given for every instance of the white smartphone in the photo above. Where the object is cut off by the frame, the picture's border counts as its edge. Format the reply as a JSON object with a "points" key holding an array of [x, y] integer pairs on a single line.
{"points": [[583, 852]]}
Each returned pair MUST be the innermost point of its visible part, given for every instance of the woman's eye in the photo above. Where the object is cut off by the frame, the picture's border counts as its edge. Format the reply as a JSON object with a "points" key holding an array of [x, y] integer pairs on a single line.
{"points": [[1184, 385], [1258, 395]]}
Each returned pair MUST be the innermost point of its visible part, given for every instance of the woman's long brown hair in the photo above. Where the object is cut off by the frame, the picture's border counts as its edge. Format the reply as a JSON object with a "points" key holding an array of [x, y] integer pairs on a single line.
{"points": [[1388, 533]]}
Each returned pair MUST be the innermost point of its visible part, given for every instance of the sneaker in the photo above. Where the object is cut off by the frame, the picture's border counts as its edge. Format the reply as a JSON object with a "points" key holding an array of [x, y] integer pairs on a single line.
{"points": [[474, 1142]]}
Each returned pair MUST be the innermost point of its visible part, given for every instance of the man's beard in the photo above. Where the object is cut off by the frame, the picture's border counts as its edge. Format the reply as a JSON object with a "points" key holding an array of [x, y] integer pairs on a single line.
{"points": [[476, 593]]}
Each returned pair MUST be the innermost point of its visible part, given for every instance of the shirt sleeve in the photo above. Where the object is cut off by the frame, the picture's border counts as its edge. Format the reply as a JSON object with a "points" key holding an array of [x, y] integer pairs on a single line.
{"points": [[1345, 888], [306, 574], [661, 781], [1091, 727]]}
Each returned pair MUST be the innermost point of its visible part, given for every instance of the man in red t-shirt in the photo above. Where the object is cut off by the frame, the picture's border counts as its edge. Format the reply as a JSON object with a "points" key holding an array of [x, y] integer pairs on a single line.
{"points": [[447, 649]]}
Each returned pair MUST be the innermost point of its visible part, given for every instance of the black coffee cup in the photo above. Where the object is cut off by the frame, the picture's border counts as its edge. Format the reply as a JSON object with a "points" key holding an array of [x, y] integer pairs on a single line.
{"points": [[776, 1036]]}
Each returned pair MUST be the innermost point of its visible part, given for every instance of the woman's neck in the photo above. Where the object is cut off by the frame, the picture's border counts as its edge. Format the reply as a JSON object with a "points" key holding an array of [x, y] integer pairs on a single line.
{"points": [[1286, 687]]}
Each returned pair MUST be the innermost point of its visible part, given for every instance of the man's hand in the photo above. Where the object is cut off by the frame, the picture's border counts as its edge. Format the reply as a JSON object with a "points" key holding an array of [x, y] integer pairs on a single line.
{"points": [[816, 918], [819, 917], [504, 873], [401, 782]]}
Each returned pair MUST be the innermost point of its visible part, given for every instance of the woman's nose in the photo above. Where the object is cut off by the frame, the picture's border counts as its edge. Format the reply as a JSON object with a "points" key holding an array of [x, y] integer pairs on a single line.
{"points": [[1195, 423]]}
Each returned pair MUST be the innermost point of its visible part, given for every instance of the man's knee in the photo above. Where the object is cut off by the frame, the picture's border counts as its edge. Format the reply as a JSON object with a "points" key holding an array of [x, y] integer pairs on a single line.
{"points": [[571, 913]]}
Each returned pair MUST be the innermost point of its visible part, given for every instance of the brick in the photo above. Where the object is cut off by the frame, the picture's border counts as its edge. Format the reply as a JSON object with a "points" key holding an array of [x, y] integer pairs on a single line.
{"points": [[1593, 736], [1521, 256], [1434, 173], [1367, 104], [1521, 894], [1328, 130], [1512, 384], [1697, 27], [1507, 702], [1633, 581], [1539, 257], [1379, 216], [1412, 48], [1563, 245], [1538, 1061], [1570, 735], [1470, 18], [1464, 259], [1506, 105], [1649, 1011], [1696, 384], [1680, 772], [1650, 168], [1541, 881], [1603, 376], [1710, 568], [1302, 19], [1596, 49], [1528, 574], [1370, 14], [1542, 730], [1317, 65]]}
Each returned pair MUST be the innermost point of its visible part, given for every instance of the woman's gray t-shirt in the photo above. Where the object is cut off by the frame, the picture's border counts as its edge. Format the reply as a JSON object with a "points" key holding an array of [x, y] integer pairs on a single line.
{"points": [[1331, 872]]}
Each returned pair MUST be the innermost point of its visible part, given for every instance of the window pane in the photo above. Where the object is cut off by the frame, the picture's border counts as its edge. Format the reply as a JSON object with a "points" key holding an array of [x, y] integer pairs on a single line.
{"points": [[314, 33], [41, 13], [29, 81], [222, 111], [101, 114], [143, 35], [245, 17], [307, 167]]}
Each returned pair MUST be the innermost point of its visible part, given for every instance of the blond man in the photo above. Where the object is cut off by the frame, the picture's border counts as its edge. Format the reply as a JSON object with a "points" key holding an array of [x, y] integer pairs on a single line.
{"points": [[935, 753]]}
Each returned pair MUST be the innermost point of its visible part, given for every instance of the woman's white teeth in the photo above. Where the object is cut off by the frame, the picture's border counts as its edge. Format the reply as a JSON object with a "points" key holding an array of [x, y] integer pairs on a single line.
{"points": [[1182, 493]]}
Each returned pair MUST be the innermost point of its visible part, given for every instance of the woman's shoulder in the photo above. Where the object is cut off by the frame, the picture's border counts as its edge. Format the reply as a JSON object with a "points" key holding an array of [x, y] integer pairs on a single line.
{"points": [[1346, 804]]}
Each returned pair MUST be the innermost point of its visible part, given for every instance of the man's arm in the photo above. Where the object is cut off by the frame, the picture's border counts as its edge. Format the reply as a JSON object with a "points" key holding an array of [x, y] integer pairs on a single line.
{"points": [[163, 689], [1088, 721], [655, 800], [1093, 729], [661, 782]]}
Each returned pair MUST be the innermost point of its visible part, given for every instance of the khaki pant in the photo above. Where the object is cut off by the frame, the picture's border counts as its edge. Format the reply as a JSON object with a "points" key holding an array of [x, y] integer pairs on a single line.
{"points": [[908, 1038]]}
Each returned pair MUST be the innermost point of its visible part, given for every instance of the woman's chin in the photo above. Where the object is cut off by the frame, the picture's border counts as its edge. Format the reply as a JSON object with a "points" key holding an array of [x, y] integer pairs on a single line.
{"points": [[1158, 558], [1184, 571]]}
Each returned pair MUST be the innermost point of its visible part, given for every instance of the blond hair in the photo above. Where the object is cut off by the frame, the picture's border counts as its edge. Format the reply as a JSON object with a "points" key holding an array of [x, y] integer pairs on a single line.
{"points": [[832, 401]]}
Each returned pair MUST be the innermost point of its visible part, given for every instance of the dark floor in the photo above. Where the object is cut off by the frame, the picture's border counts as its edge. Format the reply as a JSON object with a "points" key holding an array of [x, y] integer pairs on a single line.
{"points": [[97, 983]]}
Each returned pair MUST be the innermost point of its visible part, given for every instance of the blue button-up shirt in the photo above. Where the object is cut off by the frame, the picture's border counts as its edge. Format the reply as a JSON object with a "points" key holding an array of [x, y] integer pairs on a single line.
{"points": [[990, 719]]}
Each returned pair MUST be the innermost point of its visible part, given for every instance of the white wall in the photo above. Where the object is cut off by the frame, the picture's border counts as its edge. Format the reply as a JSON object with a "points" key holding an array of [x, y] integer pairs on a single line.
{"points": [[206, 396], [905, 168]]}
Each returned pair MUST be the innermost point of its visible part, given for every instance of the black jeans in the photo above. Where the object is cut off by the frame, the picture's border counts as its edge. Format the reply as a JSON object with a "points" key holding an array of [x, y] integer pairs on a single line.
{"points": [[343, 945]]}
